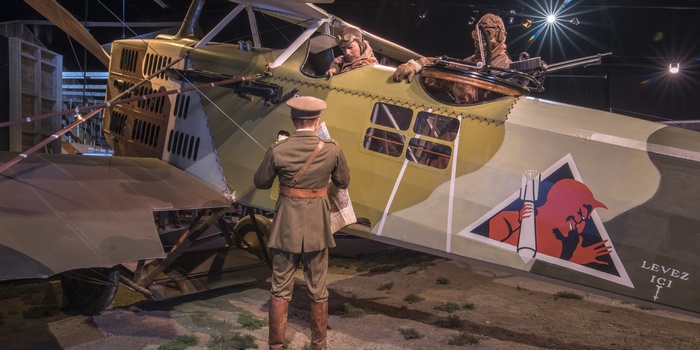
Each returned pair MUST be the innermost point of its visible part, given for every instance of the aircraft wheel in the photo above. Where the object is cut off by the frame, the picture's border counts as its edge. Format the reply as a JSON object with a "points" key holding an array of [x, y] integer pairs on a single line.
{"points": [[245, 237], [90, 291]]}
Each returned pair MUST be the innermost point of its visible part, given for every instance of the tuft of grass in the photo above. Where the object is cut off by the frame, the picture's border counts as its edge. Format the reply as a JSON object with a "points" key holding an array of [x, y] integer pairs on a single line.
{"points": [[442, 280], [468, 306], [386, 286], [204, 320], [40, 311], [348, 311], [249, 321], [452, 322], [646, 308], [412, 299], [181, 342], [448, 307], [464, 338], [395, 260], [23, 290], [568, 295], [235, 341], [410, 333], [340, 262]]}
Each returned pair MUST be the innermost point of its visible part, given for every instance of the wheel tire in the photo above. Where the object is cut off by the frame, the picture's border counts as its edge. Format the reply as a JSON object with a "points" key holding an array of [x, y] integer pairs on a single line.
{"points": [[245, 231], [90, 291]]}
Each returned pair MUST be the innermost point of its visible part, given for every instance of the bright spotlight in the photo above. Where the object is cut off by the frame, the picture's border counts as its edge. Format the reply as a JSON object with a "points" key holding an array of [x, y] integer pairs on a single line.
{"points": [[551, 19], [674, 68]]}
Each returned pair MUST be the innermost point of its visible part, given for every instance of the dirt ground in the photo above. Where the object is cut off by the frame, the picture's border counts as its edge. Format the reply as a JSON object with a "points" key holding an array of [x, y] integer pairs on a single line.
{"points": [[395, 300]]}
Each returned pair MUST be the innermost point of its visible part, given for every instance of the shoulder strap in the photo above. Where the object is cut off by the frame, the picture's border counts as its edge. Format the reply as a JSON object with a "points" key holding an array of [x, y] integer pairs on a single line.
{"points": [[307, 164]]}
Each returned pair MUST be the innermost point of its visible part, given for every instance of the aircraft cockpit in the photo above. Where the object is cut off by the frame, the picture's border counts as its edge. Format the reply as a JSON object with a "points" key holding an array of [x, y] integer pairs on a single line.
{"points": [[321, 53], [323, 49]]}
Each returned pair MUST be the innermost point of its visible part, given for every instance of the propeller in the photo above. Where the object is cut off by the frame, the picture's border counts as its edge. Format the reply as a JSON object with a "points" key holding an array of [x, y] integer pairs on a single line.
{"points": [[64, 20]]}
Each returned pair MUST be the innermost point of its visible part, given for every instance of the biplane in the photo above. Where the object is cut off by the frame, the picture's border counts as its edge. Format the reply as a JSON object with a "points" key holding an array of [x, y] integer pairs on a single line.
{"points": [[571, 195]]}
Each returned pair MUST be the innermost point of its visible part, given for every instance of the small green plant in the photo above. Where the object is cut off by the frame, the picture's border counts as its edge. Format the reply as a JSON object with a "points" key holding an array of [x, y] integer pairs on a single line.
{"points": [[468, 306], [568, 295], [448, 307], [410, 333], [452, 321], [23, 291], [464, 338], [386, 286], [249, 321], [339, 262], [412, 299], [443, 281], [348, 311], [235, 341], [180, 342]]}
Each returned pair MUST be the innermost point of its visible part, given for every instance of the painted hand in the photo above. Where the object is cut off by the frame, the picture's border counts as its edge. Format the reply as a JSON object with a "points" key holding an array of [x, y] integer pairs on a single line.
{"points": [[585, 255], [527, 211]]}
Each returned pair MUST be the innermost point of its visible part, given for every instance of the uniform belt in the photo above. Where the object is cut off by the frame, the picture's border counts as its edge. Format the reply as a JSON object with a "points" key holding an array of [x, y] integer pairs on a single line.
{"points": [[302, 192]]}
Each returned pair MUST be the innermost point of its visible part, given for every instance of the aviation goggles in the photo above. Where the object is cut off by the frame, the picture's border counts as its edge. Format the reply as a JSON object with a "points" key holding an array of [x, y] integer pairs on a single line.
{"points": [[492, 32], [346, 38]]}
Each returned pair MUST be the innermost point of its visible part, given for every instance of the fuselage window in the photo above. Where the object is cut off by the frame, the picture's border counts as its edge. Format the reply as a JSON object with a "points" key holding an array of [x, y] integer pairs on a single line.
{"points": [[391, 116], [384, 142], [435, 140], [382, 139]]}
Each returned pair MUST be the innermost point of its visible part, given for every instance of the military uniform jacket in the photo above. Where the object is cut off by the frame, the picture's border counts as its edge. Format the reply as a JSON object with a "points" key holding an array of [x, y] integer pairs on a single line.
{"points": [[302, 224]]}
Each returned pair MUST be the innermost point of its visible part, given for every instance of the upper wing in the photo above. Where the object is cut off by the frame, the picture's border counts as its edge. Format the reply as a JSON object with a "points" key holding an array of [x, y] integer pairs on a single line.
{"points": [[299, 11], [64, 212]]}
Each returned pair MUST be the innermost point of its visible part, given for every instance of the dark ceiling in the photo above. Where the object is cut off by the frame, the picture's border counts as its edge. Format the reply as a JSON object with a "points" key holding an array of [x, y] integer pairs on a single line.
{"points": [[644, 37]]}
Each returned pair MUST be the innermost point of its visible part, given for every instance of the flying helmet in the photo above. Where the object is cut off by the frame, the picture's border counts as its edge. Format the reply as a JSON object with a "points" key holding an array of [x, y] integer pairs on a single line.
{"points": [[350, 34], [494, 27]]}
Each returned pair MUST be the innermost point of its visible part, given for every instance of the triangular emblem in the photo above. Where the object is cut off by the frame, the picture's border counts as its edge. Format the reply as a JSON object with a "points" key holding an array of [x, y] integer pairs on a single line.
{"points": [[553, 218]]}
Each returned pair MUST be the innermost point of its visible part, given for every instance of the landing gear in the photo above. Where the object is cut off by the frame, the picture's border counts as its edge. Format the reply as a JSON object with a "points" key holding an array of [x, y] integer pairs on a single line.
{"points": [[253, 235], [90, 291]]}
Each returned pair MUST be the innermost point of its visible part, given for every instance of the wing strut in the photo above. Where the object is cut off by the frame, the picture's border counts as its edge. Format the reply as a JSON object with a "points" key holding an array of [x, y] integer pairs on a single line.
{"points": [[297, 43], [224, 22]]}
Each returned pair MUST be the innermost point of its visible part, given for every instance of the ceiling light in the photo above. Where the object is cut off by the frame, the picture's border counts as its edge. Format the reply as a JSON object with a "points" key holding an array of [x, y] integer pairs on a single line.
{"points": [[674, 68]]}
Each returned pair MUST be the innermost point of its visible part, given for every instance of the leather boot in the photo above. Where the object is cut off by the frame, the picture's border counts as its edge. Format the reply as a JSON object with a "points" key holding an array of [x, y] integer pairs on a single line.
{"points": [[319, 324], [278, 322]]}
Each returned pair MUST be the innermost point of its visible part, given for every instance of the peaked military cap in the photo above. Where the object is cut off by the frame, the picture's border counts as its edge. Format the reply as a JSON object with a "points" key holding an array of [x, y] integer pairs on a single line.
{"points": [[306, 107]]}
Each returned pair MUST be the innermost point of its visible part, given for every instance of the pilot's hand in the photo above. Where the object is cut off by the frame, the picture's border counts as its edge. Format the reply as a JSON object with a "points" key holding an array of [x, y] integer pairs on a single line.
{"points": [[407, 71], [331, 71]]}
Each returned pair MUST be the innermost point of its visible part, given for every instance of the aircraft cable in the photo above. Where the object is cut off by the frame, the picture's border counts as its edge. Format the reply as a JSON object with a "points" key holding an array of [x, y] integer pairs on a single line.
{"points": [[114, 100], [75, 54], [184, 78], [99, 107]]}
